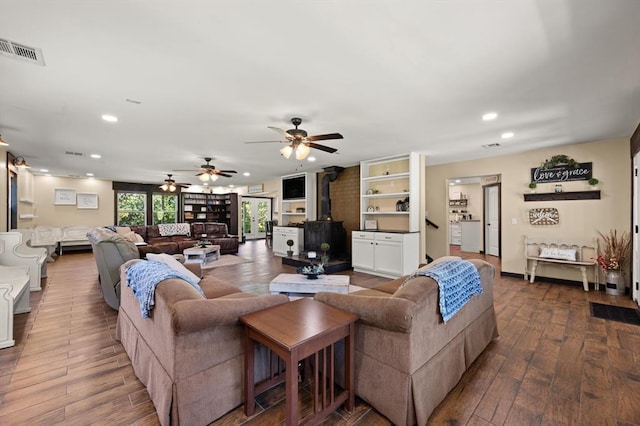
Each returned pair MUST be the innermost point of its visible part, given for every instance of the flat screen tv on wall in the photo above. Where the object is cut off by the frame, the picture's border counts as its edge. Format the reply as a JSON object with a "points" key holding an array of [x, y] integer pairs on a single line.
{"points": [[293, 188]]}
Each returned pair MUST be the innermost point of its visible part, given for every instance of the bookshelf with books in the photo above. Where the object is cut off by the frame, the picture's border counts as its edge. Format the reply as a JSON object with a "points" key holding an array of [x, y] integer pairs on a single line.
{"points": [[219, 208]]}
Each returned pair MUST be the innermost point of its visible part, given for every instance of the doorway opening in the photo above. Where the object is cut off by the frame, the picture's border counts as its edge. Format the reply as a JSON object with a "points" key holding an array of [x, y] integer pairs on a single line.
{"points": [[474, 214]]}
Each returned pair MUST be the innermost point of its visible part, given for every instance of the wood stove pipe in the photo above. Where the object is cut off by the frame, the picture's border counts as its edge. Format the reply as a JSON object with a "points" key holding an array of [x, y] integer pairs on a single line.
{"points": [[331, 174]]}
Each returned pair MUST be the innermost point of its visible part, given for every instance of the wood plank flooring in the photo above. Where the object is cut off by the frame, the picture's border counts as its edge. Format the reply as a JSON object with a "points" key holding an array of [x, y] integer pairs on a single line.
{"points": [[552, 364]]}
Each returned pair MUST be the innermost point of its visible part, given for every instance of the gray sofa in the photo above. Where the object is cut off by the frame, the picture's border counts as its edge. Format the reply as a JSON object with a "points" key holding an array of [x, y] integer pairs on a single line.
{"points": [[110, 250], [407, 358], [190, 353]]}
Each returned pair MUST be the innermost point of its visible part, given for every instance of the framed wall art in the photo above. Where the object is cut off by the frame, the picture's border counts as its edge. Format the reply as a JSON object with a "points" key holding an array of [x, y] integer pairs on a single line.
{"points": [[87, 200], [544, 216], [64, 197]]}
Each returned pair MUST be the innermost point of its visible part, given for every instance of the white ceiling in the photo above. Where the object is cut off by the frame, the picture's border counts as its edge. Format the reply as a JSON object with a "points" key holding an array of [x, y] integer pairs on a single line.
{"points": [[392, 77]]}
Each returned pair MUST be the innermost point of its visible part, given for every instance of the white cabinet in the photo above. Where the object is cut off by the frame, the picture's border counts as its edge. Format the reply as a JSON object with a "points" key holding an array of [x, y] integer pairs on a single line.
{"points": [[471, 236], [388, 254], [298, 194], [390, 192], [283, 233], [455, 234]]}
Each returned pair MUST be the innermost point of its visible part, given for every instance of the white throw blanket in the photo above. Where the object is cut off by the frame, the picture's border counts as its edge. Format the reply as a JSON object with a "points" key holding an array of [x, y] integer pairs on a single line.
{"points": [[168, 229]]}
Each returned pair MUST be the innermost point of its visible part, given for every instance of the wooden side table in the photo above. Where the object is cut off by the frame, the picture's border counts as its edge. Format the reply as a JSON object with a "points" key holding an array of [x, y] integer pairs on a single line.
{"points": [[295, 331]]}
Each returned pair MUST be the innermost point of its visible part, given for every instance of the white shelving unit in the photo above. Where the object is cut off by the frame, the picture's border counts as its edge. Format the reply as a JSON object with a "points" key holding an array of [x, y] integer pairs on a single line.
{"points": [[293, 211], [385, 183], [390, 195]]}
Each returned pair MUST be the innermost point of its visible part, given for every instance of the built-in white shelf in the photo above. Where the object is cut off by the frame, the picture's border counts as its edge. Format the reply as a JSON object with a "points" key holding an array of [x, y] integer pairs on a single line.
{"points": [[387, 195], [386, 177], [26, 200], [27, 216], [385, 213]]}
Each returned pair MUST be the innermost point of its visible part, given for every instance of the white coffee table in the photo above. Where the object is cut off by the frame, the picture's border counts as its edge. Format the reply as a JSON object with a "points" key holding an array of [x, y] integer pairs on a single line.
{"points": [[297, 284], [201, 255]]}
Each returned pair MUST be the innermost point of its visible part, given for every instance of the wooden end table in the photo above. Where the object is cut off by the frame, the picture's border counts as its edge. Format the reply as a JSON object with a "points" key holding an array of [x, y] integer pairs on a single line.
{"points": [[295, 331]]}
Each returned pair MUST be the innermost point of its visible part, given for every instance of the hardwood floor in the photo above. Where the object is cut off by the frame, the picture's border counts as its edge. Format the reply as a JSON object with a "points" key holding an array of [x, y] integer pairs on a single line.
{"points": [[552, 364]]}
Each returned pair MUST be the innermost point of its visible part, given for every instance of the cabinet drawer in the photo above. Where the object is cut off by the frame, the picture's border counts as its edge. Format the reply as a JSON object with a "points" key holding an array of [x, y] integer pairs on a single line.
{"points": [[389, 237], [362, 235]]}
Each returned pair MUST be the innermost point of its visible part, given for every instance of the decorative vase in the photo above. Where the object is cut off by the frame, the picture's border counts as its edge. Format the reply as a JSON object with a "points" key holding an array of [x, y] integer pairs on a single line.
{"points": [[325, 259], [615, 285], [289, 253]]}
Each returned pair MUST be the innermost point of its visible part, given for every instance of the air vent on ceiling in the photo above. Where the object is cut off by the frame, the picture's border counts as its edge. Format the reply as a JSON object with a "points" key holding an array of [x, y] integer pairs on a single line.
{"points": [[491, 145], [77, 154], [20, 51]]}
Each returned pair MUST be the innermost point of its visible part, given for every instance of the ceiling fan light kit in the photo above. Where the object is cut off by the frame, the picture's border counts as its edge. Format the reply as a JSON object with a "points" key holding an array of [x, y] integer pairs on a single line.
{"points": [[208, 172], [300, 142]]}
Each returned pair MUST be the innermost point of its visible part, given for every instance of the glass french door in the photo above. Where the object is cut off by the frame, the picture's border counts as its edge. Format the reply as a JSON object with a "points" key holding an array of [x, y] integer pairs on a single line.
{"points": [[255, 213]]}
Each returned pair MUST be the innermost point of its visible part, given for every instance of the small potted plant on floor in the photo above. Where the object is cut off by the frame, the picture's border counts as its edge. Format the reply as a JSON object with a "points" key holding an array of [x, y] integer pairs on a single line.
{"points": [[325, 249], [290, 251]]}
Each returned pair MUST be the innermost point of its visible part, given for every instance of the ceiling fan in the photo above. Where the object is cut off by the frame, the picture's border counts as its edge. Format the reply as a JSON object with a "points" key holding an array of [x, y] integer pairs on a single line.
{"points": [[170, 185], [209, 172], [300, 142]]}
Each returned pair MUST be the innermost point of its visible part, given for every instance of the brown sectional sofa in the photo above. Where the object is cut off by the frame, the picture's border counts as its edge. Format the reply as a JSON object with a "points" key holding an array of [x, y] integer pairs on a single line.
{"points": [[175, 244], [190, 353], [407, 359]]}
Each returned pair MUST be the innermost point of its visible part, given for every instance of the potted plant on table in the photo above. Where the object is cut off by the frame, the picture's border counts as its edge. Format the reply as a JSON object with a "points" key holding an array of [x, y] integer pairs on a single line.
{"points": [[325, 249], [290, 251]]}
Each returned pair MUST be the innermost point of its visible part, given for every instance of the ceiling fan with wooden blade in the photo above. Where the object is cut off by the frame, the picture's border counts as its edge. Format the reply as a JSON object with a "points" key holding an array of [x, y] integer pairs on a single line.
{"points": [[299, 141], [209, 172], [170, 185]]}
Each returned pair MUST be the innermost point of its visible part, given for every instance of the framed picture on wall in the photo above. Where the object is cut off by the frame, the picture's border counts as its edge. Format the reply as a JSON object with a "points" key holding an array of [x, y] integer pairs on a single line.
{"points": [[87, 200], [64, 197]]}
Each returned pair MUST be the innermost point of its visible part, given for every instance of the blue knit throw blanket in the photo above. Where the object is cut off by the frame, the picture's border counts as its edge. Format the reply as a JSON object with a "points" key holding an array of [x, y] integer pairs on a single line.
{"points": [[458, 281], [143, 277]]}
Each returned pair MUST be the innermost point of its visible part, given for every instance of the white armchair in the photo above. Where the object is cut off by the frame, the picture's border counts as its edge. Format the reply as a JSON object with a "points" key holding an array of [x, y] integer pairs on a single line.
{"points": [[14, 298], [17, 253], [47, 237]]}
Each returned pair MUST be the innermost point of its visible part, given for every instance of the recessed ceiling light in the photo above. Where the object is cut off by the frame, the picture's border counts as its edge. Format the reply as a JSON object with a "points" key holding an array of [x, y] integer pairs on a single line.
{"points": [[110, 118], [246, 174], [312, 159], [507, 135], [232, 186], [44, 170], [457, 181], [205, 184], [96, 156], [451, 183], [490, 116], [89, 174]]}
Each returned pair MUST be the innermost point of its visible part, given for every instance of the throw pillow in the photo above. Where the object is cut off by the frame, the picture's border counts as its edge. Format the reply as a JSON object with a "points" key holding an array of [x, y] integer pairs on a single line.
{"points": [[133, 237], [123, 230], [173, 263], [557, 253]]}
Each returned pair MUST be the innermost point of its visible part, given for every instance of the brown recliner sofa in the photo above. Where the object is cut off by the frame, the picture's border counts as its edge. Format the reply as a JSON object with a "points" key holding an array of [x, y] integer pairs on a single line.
{"points": [[217, 234], [190, 353], [407, 358]]}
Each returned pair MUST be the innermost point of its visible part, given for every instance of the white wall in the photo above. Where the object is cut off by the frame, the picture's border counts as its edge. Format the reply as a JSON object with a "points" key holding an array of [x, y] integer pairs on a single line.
{"points": [[54, 215], [579, 219]]}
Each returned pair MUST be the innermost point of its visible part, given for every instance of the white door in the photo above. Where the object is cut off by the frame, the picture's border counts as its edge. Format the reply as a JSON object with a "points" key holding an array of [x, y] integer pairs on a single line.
{"points": [[362, 253], [635, 273], [255, 212], [492, 220], [388, 257]]}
